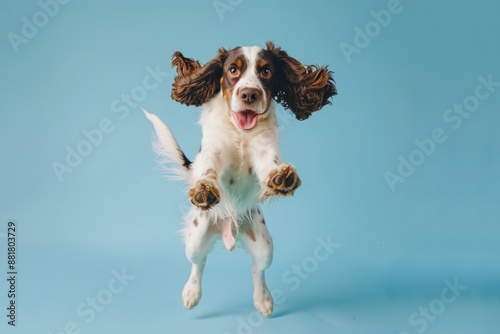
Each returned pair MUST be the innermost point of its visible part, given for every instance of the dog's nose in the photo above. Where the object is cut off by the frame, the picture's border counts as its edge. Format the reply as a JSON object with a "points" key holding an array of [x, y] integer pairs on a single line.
{"points": [[250, 95]]}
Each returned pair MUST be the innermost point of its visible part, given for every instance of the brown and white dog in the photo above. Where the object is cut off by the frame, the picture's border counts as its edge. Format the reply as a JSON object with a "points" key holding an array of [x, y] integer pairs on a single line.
{"points": [[239, 162]]}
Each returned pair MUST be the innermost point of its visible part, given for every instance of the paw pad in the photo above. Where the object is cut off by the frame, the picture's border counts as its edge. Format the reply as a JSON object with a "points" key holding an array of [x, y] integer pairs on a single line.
{"points": [[282, 181], [205, 194]]}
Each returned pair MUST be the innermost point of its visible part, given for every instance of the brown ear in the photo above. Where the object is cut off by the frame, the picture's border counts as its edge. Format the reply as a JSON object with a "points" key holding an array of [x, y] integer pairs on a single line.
{"points": [[184, 65], [196, 84], [303, 89]]}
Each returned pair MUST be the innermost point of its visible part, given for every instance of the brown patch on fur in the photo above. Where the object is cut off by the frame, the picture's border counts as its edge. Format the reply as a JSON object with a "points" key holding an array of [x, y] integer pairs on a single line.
{"points": [[250, 234], [226, 93], [239, 62], [261, 62], [195, 222], [250, 170], [227, 96]]}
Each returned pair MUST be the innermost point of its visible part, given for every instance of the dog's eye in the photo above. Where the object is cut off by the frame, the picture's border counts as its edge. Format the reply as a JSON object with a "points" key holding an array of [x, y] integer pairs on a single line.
{"points": [[266, 73], [233, 70]]}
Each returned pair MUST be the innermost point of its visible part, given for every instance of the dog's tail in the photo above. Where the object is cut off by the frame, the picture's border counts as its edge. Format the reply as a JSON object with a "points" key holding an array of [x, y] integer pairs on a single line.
{"points": [[168, 149]]}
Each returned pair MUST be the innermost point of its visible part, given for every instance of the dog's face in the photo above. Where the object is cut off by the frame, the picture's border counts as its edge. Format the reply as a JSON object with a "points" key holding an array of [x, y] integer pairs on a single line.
{"points": [[249, 79]]}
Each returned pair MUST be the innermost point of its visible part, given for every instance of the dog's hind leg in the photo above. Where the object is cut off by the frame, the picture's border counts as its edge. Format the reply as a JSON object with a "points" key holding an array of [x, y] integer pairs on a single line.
{"points": [[257, 241], [199, 239]]}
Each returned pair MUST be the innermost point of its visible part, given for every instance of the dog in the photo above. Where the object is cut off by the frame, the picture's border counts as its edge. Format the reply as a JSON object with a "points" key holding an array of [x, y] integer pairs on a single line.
{"points": [[238, 165]]}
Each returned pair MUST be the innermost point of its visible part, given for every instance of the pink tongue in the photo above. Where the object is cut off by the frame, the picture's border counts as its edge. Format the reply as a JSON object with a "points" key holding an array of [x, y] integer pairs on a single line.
{"points": [[245, 119]]}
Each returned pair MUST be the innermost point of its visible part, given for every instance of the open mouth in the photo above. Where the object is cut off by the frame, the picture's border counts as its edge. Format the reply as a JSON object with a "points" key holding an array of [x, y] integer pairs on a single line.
{"points": [[246, 119]]}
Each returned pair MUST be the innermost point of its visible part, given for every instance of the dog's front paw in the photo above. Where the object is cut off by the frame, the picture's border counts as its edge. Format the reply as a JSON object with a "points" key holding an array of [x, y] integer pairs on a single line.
{"points": [[205, 194], [281, 181]]}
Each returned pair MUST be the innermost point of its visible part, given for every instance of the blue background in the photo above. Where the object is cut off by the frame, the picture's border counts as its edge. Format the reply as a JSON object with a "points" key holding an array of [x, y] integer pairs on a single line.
{"points": [[115, 210]]}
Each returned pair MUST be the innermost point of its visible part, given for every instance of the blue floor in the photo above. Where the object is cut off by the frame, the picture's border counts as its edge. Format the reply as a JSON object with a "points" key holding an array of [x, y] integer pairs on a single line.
{"points": [[399, 175], [68, 292]]}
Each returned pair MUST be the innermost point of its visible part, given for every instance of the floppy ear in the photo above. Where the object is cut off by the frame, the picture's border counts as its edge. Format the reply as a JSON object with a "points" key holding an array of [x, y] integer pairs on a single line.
{"points": [[196, 84], [303, 89], [184, 65]]}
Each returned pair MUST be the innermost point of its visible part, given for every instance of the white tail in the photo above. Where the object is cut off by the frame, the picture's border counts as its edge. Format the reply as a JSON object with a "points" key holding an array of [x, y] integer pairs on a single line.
{"points": [[168, 149]]}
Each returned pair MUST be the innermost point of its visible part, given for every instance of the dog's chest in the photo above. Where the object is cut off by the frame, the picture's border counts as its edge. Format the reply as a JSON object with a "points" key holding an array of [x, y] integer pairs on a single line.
{"points": [[238, 179]]}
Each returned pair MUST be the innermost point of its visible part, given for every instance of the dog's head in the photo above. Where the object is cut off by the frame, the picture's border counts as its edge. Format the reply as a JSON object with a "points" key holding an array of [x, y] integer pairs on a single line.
{"points": [[250, 78]]}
